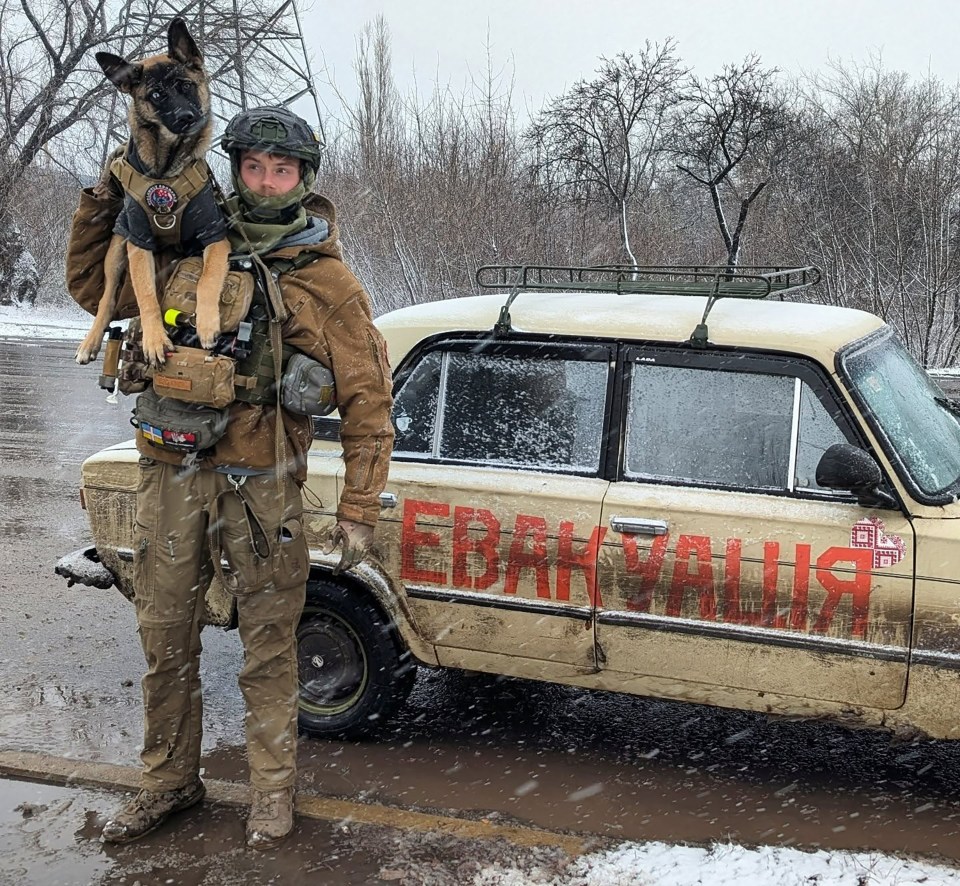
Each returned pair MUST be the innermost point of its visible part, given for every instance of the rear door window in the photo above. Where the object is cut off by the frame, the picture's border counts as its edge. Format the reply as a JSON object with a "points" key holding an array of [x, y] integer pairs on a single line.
{"points": [[521, 406]]}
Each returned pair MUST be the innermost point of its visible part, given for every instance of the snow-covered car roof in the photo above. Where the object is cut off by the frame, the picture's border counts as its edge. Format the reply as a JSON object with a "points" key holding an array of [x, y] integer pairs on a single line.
{"points": [[792, 327]]}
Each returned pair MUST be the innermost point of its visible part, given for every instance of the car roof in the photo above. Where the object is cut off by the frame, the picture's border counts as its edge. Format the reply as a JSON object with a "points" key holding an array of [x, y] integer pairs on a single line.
{"points": [[790, 327]]}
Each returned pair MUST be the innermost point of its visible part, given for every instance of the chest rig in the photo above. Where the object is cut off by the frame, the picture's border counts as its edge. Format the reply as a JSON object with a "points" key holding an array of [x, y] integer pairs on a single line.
{"points": [[247, 361]]}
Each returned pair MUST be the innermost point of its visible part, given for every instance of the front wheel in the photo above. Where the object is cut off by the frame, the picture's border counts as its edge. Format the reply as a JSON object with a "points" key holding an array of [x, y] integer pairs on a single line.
{"points": [[353, 670]]}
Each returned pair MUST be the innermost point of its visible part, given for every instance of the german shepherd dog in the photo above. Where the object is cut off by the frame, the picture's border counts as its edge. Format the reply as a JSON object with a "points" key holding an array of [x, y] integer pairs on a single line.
{"points": [[170, 129]]}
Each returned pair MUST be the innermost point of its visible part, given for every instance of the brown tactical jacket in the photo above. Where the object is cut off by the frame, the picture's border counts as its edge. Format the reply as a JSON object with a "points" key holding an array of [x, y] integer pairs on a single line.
{"points": [[329, 319]]}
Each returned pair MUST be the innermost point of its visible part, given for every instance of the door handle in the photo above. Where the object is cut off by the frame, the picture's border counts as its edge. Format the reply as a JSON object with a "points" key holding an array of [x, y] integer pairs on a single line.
{"points": [[638, 526], [388, 500]]}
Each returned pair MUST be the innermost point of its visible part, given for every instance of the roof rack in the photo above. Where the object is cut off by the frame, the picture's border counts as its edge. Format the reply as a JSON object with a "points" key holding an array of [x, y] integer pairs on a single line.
{"points": [[713, 281]]}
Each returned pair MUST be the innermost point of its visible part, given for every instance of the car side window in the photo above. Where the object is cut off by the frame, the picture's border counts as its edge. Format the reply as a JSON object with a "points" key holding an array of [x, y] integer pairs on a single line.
{"points": [[415, 406], [512, 410], [743, 430], [817, 432]]}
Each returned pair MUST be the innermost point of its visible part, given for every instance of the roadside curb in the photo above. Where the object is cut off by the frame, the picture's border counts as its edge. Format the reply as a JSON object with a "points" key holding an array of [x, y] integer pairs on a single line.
{"points": [[111, 776]]}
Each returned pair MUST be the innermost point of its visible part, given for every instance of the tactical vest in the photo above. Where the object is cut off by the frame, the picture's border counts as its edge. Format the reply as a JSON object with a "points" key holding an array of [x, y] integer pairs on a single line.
{"points": [[254, 375], [163, 200], [257, 372], [259, 369]]}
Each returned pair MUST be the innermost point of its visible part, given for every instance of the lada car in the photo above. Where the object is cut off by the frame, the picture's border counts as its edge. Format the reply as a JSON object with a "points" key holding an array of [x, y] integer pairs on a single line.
{"points": [[668, 482]]}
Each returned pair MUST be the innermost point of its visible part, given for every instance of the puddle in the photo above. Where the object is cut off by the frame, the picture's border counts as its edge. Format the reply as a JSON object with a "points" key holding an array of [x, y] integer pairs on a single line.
{"points": [[51, 837], [39, 827]]}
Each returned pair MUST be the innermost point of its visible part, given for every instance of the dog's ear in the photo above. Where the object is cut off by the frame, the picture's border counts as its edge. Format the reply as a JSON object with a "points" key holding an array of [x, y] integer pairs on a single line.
{"points": [[181, 45], [119, 71]]}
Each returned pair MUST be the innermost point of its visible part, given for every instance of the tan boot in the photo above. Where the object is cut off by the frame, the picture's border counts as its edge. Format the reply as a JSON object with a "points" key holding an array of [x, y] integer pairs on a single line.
{"points": [[150, 809], [271, 817]]}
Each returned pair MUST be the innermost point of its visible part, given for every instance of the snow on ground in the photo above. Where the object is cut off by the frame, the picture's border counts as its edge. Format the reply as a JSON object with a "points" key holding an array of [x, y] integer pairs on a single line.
{"points": [[724, 864], [67, 323]]}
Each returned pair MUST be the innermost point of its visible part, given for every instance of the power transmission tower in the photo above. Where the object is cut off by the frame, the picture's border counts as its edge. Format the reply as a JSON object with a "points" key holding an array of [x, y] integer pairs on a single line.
{"points": [[253, 50]]}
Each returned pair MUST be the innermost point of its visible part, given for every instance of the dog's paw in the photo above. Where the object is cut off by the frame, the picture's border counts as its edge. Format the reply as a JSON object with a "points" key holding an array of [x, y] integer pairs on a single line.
{"points": [[208, 328], [208, 338], [88, 350], [156, 347]]}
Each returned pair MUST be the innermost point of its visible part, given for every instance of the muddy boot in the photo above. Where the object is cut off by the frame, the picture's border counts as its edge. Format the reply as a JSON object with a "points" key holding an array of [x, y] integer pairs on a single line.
{"points": [[150, 809], [271, 817]]}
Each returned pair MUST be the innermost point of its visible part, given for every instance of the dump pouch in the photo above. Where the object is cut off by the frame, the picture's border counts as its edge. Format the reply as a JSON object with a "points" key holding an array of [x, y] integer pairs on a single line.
{"points": [[180, 293], [176, 426], [307, 387], [194, 375]]}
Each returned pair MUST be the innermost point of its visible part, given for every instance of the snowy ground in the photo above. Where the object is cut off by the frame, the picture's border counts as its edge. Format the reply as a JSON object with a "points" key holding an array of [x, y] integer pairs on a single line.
{"points": [[64, 323], [631, 864], [661, 864]]}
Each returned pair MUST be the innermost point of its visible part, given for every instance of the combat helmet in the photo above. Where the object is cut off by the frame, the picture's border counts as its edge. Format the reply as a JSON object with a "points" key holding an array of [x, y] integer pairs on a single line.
{"points": [[276, 130]]}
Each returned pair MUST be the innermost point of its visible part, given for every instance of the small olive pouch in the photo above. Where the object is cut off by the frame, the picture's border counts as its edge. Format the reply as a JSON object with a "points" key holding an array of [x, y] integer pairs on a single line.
{"points": [[176, 426], [194, 375], [180, 293], [307, 387]]}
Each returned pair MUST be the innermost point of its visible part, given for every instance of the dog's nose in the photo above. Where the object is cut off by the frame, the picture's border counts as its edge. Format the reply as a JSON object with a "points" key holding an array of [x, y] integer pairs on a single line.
{"points": [[186, 117]]}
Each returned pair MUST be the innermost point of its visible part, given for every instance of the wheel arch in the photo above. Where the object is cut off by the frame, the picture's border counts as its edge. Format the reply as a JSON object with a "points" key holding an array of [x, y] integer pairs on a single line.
{"points": [[369, 579]]}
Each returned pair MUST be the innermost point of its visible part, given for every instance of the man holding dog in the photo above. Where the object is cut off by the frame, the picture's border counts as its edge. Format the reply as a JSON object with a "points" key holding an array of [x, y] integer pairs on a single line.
{"points": [[240, 499]]}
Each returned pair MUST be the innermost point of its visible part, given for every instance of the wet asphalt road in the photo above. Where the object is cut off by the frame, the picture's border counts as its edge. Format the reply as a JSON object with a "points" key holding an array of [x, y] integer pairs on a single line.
{"points": [[554, 757]]}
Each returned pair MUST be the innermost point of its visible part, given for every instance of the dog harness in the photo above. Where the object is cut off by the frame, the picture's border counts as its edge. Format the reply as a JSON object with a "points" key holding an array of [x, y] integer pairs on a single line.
{"points": [[179, 212]]}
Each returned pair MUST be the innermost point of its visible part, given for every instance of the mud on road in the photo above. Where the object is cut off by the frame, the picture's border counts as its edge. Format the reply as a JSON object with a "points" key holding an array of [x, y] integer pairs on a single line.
{"points": [[557, 758], [50, 838]]}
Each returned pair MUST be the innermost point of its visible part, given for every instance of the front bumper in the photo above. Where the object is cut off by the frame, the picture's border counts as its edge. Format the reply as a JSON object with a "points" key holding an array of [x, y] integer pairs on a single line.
{"points": [[84, 567]]}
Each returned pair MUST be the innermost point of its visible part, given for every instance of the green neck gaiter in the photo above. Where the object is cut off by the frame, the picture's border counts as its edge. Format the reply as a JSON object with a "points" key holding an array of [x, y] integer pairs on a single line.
{"points": [[264, 221]]}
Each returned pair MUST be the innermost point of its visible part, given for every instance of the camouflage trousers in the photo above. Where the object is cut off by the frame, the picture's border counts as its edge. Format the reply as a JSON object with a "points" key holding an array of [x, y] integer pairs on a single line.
{"points": [[191, 526]]}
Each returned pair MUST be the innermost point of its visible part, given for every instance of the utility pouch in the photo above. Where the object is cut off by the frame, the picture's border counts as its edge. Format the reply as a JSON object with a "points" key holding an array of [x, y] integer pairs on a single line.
{"points": [[133, 375], [306, 387], [196, 376], [180, 293], [176, 426]]}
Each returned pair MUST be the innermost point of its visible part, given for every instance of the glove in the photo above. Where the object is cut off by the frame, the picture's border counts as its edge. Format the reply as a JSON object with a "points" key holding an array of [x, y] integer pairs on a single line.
{"points": [[355, 539]]}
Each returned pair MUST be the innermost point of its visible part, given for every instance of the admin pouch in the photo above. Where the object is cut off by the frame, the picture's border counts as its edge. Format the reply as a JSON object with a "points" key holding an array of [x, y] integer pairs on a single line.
{"points": [[176, 426], [194, 375], [180, 293], [307, 387]]}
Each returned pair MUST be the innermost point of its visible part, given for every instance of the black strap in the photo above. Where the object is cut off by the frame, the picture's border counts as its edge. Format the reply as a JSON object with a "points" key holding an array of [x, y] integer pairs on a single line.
{"points": [[300, 260]]}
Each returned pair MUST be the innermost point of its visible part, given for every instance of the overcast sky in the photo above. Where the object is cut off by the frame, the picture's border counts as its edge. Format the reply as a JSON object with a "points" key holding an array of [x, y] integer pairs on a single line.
{"points": [[548, 46]]}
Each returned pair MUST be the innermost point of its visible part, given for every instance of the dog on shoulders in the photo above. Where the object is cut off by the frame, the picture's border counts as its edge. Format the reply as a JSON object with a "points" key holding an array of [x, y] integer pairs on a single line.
{"points": [[169, 200]]}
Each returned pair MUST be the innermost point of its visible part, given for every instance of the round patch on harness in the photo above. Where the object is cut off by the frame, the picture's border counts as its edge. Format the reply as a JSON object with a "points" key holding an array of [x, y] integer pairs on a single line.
{"points": [[161, 198]]}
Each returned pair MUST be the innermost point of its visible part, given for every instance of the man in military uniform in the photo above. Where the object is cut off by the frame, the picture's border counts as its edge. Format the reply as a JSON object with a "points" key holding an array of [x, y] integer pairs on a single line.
{"points": [[240, 500]]}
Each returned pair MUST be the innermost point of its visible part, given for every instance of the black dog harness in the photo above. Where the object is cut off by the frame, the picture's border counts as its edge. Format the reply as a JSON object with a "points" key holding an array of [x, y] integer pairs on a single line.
{"points": [[180, 212]]}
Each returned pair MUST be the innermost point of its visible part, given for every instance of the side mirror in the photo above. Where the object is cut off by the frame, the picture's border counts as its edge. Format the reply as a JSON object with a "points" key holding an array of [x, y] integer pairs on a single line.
{"points": [[848, 467]]}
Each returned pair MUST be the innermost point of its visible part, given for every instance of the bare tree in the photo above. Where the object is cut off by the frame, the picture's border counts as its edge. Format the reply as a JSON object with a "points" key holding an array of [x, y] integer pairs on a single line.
{"points": [[57, 108], [726, 141], [430, 186], [876, 165], [601, 141]]}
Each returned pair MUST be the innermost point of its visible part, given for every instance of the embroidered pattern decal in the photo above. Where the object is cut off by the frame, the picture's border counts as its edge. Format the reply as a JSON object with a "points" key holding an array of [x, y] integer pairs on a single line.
{"points": [[888, 550], [161, 198]]}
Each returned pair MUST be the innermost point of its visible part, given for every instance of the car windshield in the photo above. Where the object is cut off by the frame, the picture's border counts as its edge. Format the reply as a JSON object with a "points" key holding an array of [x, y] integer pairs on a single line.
{"points": [[921, 427]]}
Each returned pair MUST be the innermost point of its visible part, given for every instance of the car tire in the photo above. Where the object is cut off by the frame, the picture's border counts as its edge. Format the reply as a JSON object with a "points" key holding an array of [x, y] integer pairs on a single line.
{"points": [[354, 672]]}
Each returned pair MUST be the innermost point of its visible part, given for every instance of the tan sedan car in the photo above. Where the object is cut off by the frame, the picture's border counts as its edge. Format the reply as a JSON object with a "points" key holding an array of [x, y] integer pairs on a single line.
{"points": [[651, 481]]}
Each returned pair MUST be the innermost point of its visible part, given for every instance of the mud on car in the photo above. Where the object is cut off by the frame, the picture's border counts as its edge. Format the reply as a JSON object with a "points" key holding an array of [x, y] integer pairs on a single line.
{"points": [[655, 481]]}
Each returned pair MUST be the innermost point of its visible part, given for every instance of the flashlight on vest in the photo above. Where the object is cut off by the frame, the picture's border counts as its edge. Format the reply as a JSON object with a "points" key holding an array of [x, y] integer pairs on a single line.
{"points": [[174, 318], [181, 326], [111, 358]]}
